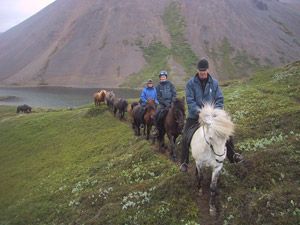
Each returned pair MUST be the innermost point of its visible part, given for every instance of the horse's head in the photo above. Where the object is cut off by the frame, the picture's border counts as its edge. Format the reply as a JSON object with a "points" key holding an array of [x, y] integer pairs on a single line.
{"points": [[178, 111], [150, 111], [150, 102], [217, 126]]}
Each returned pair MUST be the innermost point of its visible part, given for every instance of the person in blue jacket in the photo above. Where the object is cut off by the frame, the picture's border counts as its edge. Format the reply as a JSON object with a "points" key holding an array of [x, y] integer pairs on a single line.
{"points": [[148, 92], [200, 89]]}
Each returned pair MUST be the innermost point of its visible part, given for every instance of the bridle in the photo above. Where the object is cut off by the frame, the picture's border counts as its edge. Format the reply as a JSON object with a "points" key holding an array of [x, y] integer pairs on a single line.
{"points": [[212, 148]]}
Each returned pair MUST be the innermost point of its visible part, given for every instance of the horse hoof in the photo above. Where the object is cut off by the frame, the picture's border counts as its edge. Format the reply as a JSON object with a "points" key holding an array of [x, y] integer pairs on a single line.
{"points": [[212, 211], [200, 192]]}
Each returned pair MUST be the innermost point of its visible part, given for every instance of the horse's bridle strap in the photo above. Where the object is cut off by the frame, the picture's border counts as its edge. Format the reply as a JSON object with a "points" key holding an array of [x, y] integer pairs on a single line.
{"points": [[212, 147]]}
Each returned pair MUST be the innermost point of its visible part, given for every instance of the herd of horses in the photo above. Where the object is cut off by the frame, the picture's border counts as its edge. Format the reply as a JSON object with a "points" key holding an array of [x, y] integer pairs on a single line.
{"points": [[172, 121], [208, 143]]}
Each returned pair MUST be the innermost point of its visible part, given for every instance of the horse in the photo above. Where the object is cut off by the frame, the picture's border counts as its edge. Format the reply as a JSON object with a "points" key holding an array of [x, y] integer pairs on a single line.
{"points": [[99, 97], [149, 115], [24, 108], [172, 125], [147, 118], [121, 106], [208, 146], [130, 112], [110, 99]]}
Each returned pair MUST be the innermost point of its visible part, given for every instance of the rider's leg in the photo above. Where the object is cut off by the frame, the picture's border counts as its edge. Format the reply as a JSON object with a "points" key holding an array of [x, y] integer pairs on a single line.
{"points": [[232, 156], [185, 147]]}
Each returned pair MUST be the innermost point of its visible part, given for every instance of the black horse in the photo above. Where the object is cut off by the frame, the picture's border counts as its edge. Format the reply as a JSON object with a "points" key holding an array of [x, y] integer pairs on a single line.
{"points": [[24, 108], [172, 125], [121, 106]]}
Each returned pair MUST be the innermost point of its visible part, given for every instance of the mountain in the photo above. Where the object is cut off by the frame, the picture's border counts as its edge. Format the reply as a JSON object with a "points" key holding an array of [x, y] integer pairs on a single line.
{"points": [[112, 43]]}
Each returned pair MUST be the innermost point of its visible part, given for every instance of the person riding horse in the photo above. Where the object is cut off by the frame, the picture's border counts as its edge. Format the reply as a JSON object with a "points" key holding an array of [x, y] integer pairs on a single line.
{"points": [[166, 94], [201, 89], [148, 93]]}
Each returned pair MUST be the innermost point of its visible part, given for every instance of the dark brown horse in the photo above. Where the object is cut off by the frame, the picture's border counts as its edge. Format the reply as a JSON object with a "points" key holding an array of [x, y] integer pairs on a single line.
{"points": [[172, 125], [149, 115], [99, 97], [145, 116], [24, 108], [121, 106]]}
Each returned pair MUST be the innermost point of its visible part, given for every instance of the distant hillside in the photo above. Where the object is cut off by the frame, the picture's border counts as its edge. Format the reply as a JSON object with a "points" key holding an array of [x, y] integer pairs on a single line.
{"points": [[83, 166], [112, 43]]}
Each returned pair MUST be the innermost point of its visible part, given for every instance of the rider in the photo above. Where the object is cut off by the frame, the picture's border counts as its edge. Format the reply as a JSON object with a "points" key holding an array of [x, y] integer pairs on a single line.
{"points": [[200, 89], [166, 94], [148, 93]]}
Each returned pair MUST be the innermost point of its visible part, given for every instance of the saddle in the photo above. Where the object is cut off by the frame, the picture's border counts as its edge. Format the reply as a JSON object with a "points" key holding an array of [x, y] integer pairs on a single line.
{"points": [[188, 135]]}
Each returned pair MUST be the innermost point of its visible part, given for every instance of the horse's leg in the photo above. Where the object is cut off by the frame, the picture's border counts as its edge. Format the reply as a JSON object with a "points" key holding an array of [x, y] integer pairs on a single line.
{"points": [[148, 131], [138, 129], [199, 175], [213, 189], [172, 146], [161, 140]]}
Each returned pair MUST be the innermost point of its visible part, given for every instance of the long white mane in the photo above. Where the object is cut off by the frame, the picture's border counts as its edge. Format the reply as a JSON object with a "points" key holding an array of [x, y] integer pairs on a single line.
{"points": [[216, 119]]}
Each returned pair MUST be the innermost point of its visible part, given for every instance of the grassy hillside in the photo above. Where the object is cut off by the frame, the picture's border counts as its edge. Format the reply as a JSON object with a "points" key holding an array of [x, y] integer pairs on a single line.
{"points": [[83, 166]]}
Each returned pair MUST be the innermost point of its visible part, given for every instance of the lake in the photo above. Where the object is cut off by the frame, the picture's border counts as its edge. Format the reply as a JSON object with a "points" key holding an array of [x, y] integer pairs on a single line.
{"points": [[55, 97]]}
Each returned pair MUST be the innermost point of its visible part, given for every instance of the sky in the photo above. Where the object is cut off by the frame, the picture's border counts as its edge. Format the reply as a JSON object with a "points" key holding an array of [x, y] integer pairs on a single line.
{"points": [[13, 12]]}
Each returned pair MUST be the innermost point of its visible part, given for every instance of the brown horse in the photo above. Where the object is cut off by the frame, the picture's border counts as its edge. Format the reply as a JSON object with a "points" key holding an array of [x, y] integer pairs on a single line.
{"points": [[172, 125], [145, 116], [99, 97], [121, 106], [149, 115]]}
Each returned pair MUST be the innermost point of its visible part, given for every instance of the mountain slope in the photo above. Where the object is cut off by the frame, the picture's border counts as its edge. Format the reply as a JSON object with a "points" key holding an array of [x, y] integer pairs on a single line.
{"points": [[102, 43]]}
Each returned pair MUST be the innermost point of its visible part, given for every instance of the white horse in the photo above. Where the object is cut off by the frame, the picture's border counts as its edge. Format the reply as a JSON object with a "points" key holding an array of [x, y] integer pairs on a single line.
{"points": [[208, 146]]}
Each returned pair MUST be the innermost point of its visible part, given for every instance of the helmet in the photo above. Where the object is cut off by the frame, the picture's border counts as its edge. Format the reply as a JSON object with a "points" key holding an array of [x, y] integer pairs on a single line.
{"points": [[163, 73]]}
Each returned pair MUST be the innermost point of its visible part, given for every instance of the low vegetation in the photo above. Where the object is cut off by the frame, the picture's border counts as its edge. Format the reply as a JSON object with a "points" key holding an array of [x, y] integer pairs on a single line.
{"points": [[83, 166]]}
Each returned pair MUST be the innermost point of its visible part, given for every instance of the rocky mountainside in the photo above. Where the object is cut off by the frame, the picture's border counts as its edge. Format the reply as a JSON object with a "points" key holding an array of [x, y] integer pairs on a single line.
{"points": [[112, 43]]}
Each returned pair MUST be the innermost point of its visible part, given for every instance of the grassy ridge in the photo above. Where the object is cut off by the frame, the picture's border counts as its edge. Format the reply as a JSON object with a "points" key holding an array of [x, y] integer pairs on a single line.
{"points": [[83, 166], [267, 113]]}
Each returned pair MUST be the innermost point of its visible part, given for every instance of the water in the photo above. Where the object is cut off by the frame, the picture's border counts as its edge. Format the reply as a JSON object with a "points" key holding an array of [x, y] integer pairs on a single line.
{"points": [[56, 97]]}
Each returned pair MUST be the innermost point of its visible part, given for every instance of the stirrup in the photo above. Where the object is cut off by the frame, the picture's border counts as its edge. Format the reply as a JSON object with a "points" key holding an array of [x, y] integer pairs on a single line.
{"points": [[238, 158], [184, 167]]}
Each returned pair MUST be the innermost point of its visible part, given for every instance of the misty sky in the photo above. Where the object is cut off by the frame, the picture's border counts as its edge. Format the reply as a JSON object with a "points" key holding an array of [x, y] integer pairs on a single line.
{"points": [[13, 12]]}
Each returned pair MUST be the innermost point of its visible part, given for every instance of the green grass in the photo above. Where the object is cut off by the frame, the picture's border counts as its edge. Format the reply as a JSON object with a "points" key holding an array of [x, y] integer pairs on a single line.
{"points": [[266, 110], [84, 166]]}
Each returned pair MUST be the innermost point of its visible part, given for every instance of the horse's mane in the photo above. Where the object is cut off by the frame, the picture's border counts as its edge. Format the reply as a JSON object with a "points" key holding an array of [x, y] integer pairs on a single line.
{"points": [[217, 119], [178, 104]]}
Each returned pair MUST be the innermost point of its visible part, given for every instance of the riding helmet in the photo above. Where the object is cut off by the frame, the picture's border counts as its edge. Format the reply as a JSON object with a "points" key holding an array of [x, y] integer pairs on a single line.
{"points": [[163, 73]]}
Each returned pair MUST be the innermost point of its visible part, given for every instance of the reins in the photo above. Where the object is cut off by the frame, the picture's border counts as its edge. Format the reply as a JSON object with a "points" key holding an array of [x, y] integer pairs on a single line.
{"points": [[212, 147]]}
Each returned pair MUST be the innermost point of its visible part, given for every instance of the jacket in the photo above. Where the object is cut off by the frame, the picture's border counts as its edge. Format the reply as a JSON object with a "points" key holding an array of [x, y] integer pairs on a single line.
{"points": [[196, 97], [166, 93], [148, 93]]}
